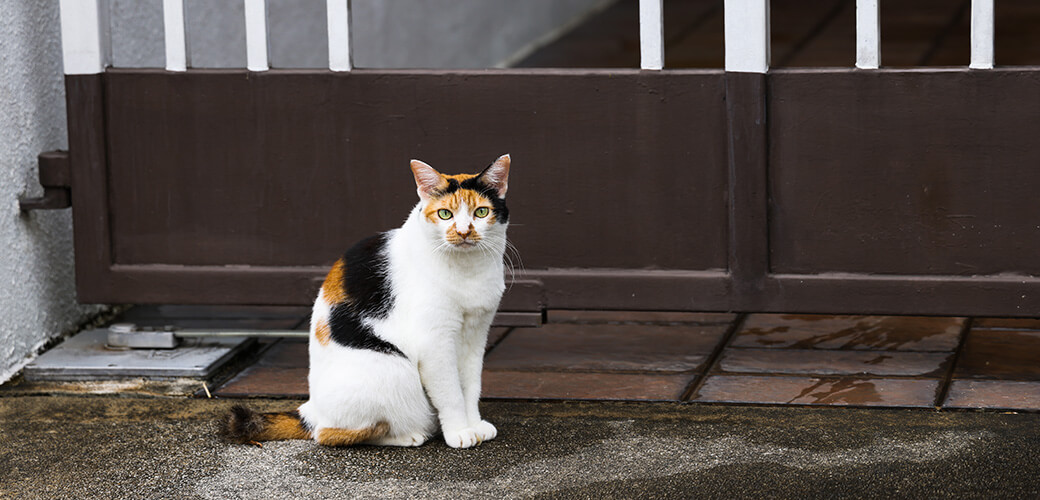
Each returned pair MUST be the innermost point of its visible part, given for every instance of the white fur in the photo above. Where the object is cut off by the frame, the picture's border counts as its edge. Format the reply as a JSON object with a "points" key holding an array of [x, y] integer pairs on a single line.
{"points": [[445, 299]]}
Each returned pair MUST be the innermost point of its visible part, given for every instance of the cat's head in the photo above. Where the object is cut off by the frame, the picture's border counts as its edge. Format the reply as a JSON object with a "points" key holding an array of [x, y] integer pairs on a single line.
{"points": [[466, 211]]}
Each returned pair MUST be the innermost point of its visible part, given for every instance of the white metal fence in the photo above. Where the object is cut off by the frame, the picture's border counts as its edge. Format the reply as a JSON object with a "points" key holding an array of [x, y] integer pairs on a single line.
{"points": [[85, 40]]}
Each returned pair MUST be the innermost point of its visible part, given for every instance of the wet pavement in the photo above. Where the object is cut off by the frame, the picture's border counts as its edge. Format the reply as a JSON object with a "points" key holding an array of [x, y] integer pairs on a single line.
{"points": [[776, 359], [126, 447], [616, 404], [610, 404]]}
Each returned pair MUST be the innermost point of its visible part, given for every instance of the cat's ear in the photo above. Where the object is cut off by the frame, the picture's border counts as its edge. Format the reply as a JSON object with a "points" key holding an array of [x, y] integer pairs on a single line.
{"points": [[497, 175], [427, 180]]}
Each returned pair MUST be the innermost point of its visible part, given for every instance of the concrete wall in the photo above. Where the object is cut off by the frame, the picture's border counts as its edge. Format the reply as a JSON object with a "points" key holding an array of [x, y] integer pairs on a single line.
{"points": [[37, 299], [387, 33]]}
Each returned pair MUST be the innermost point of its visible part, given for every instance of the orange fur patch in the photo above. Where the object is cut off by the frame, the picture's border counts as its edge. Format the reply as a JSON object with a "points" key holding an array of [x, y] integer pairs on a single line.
{"points": [[332, 288], [281, 426], [454, 237], [322, 332], [347, 437]]}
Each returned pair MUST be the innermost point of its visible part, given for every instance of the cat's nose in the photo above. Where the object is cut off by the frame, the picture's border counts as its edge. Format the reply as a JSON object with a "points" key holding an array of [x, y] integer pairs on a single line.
{"points": [[465, 234]]}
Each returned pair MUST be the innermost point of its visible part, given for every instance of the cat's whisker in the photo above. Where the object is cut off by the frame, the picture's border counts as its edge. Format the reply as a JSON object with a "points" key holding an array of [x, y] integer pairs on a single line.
{"points": [[510, 256], [510, 253], [443, 248]]}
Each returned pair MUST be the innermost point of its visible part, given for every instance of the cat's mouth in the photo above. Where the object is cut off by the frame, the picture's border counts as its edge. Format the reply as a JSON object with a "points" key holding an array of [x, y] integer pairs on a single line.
{"points": [[465, 244]]}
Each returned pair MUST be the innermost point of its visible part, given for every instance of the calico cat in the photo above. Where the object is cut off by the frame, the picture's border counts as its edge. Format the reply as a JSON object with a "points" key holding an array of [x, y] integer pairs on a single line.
{"points": [[401, 323]]}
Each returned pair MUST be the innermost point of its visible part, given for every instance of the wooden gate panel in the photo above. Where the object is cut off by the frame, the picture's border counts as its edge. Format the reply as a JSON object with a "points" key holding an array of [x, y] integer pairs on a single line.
{"points": [[802, 191], [904, 172], [266, 177]]}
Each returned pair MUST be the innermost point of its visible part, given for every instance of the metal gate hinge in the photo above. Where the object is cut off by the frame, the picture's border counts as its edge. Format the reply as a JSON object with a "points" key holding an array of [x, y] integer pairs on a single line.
{"points": [[129, 336], [56, 179]]}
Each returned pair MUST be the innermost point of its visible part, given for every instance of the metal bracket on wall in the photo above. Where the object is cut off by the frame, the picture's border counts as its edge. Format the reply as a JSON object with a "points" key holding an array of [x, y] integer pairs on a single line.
{"points": [[131, 336], [56, 179]]}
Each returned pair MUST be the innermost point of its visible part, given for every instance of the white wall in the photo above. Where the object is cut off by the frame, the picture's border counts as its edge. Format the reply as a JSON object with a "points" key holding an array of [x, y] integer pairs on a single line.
{"points": [[387, 33], [37, 300]]}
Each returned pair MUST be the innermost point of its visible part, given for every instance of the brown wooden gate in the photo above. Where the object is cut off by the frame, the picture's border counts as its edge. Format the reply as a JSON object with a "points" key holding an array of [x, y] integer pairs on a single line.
{"points": [[824, 190]]}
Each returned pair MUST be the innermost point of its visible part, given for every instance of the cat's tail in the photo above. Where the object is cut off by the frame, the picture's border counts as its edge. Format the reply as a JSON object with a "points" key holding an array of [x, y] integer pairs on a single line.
{"points": [[242, 425]]}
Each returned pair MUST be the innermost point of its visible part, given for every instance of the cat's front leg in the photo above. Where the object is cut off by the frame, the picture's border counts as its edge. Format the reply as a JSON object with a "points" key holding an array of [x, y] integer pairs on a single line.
{"points": [[471, 363], [439, 372]]}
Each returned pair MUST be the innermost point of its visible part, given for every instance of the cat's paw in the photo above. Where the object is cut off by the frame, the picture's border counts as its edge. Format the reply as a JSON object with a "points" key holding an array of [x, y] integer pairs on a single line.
{"points": [[462, 438], [416, 439], [485, 431], [408, 440]]}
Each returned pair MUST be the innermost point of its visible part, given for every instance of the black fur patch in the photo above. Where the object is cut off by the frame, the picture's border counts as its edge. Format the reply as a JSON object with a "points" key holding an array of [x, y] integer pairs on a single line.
{"points": [[348, 330], [498, 205], [242, 425], [453, 185], [367, 286], [365, 278]]}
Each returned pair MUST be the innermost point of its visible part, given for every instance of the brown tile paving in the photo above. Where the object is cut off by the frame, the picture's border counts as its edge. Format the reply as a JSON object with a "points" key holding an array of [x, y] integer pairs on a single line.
{"points": [[602, 386], [875, 333], [654, 356], [994, 394], [1001, 354], [843, 391], [280, 371], [657, 317], [267, 381], [495, 336], [557, 347], [820, 362]]}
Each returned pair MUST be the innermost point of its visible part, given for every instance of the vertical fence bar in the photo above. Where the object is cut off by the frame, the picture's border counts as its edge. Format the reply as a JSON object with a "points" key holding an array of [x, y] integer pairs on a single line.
{"points": [[176, 42], [341, 57], [84, 37], [747, 35], [981, 34], [256, 35], [868, 35], [651, 34]]}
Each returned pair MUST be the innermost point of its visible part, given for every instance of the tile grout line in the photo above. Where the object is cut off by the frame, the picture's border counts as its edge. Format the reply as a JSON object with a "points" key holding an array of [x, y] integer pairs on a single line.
{"points": [[698, 382], [947, 381], [488, 349]]}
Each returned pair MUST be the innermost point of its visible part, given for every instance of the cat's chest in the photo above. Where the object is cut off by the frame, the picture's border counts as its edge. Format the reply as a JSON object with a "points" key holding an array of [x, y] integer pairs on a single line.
{"points": [[467, 288], [470, 287]]}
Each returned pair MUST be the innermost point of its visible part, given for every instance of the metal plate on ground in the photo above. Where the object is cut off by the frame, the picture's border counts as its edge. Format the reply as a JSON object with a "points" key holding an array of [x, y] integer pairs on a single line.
{"points": [[85, 357]]}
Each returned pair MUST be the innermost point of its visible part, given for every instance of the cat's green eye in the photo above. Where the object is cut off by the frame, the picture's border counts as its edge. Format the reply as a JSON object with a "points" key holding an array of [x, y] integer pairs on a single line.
{"points": [[481, 212], [444, 214]]}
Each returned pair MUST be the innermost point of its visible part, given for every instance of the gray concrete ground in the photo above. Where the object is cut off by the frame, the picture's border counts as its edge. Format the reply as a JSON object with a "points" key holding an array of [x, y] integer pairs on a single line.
{"points": [[127, 447]]}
